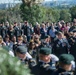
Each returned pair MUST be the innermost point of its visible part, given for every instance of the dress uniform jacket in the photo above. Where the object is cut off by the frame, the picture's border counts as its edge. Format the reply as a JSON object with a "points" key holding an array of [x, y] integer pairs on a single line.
{"points": [[42, 69], [45, 68], [60, 47], [73, 48], [61, 71]]}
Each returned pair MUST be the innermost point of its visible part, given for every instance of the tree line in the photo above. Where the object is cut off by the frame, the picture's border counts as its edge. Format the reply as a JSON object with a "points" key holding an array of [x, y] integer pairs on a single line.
{"points": [[34, 12]]}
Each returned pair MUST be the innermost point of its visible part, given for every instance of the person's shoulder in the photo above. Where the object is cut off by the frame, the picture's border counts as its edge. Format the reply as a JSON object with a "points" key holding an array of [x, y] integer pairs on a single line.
{"points": [[55, 72], [56, 40], [54, 57], [35, 69]]}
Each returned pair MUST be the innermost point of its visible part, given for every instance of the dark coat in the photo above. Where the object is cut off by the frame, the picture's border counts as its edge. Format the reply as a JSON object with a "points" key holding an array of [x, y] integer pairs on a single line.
{"points": [[43, 33], [3, 31], [39, 69], [59, 48], [11, 33], [62, 72], [18, 31], [26, 30], [73, 47], [72, 28]]}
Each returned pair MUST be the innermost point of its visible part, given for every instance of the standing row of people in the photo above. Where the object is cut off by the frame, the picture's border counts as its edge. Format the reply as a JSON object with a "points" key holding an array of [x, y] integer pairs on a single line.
{"points": [[48, 44]]}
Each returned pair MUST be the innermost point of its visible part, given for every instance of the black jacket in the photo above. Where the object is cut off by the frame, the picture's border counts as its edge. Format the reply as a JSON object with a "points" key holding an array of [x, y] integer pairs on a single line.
{"points": [[61, 71], [42, 69]]}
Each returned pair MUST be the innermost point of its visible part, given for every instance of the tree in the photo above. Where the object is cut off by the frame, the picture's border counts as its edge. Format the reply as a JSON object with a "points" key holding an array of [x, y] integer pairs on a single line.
{"points": [[65, 15], [11, 14], [31, 11], [10, 65], [73, 12], [31, 2], [55, 14]]}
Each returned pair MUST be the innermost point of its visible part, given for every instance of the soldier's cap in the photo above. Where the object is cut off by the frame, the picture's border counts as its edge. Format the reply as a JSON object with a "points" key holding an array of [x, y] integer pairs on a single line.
{"points": [[21, 49], [45, 51], [66, 58]]}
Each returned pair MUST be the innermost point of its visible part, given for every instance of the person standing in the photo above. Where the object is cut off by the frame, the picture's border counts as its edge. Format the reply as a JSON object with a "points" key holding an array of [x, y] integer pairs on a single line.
{"points": [[46, 64], [61, 45], [27, 30], [65, 65]]}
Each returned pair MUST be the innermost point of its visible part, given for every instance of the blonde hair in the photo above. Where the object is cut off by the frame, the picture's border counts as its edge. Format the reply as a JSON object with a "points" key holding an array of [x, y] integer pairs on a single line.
{"points": [[20, 38], [1, 39]]}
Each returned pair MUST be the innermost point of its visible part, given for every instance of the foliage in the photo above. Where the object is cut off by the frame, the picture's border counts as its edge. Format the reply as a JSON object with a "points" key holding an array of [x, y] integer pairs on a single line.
{"points": [[10, 65], [56, 14], [30, 14], [2, 15], [65, 15], [11, 14], [73, 12], [33, 11]]}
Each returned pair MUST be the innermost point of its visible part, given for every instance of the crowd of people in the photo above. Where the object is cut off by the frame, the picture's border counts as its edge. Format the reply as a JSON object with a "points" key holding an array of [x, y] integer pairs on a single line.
{"points": [[47, 48]]}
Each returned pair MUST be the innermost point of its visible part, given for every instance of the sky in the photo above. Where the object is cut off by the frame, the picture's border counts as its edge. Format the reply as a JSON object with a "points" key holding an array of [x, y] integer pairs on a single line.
{"points": [[8, 1], [11, 1]]}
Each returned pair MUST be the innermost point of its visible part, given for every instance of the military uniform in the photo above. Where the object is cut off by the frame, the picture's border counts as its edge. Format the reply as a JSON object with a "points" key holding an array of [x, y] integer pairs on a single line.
{"points": [[43, 68], [64, 59], [73, 46], [61, 71], [60, 47], [27, 61]]}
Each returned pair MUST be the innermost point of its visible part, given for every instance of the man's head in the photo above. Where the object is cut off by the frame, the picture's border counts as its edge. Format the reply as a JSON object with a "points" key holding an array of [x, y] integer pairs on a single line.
{"points": [[20, 39], [60, 35], [21, 52], [15, 24], [74, 22], [26, 23], [7, 23], [44, 54], [65, 61]]}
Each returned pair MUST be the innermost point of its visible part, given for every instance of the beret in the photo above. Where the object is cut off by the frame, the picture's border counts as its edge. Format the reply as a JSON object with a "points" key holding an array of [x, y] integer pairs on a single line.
{"points": [[45, 51], [66, 58], [21, 49]]}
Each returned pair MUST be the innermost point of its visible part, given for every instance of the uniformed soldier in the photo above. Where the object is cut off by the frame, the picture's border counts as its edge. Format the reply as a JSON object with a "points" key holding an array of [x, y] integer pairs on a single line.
{"points": [[65, 65], [24, 56], [61, 45], [45, 65]]}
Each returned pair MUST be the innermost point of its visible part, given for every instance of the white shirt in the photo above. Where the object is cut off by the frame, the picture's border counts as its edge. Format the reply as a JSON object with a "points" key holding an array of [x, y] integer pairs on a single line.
{"points": [[27, 54]]}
